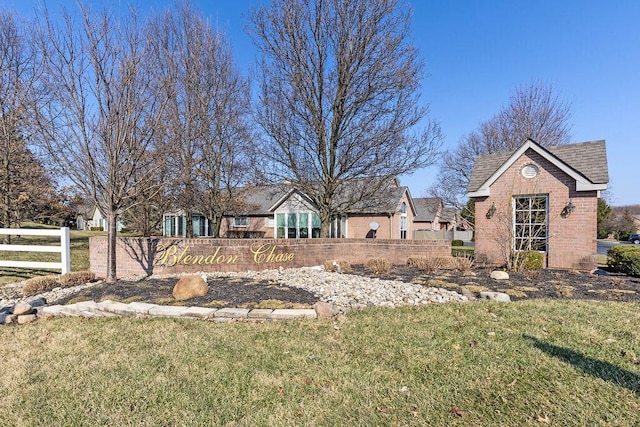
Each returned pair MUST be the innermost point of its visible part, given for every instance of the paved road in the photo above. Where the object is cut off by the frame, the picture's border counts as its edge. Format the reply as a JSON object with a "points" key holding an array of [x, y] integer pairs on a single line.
{"points": [[603, 246]]}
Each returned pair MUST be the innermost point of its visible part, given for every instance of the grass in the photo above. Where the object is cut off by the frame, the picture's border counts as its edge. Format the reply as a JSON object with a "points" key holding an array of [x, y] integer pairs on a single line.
{"points": [[482, 364], [467, 251], [78, 239]]}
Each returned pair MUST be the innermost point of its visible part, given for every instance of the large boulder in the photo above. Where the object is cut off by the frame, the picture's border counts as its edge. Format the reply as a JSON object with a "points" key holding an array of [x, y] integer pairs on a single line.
{"points": [[22, 308], [495, 296], [190, 287], [499, 275], [326, 310]]}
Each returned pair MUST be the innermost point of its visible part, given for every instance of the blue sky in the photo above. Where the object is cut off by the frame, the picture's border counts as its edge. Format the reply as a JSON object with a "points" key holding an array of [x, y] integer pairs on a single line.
{"points": [[477, 52]]}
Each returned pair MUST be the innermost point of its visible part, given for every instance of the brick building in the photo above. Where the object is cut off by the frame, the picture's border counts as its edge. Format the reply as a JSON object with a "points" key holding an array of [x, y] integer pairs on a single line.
{"points": [[284, 212], [538, 198]]}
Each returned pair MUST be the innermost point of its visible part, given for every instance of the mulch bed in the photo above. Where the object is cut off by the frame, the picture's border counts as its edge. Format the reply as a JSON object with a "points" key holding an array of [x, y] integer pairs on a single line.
{"points": [[249, 293], [223, 292]]}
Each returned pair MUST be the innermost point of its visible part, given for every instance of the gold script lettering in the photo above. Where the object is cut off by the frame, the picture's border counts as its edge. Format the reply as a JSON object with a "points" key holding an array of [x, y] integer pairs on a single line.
{"points": [[267, 253]]}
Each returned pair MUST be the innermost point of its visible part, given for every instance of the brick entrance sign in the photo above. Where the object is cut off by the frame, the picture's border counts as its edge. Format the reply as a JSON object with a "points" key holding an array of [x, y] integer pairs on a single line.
{"points": [[164, 255]]}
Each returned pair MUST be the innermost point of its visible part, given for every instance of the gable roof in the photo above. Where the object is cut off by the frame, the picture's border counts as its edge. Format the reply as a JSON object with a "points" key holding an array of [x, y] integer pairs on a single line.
{"points": [[264, 200], [386, 202], [449, 215], [427, 208], [585, 162]]}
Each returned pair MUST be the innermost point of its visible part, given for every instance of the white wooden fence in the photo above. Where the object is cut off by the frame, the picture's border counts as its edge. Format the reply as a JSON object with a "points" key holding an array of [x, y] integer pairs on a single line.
{"points": [[65, 261]]}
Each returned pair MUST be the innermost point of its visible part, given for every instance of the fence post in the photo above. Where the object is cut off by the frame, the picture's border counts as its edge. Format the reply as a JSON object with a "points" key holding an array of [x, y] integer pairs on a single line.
{"points": [[65, 250]]}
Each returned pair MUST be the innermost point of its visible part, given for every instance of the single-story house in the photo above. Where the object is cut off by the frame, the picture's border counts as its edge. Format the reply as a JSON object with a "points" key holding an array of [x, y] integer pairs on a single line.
{"points": [[539, 198], [283, 212], [429, 214], [89, 218]]}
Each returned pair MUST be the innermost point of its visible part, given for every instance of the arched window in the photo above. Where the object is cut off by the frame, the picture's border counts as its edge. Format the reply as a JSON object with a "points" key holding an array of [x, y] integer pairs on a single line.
{"points": [[403, 221]]}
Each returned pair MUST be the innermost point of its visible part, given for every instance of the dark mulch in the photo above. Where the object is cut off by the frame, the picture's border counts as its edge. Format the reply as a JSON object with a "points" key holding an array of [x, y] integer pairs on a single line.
{"points": [[223, 292], [240, 292]]}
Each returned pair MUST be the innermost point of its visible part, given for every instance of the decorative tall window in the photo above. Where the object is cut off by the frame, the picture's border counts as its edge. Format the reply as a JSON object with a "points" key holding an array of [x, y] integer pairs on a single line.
{"points": [[530, 222], [403, 221]]}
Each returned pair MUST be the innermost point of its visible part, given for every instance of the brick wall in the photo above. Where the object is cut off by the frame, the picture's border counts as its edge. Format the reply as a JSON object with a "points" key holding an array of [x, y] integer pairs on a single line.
{"points": [[572, 240], [137, 256]]}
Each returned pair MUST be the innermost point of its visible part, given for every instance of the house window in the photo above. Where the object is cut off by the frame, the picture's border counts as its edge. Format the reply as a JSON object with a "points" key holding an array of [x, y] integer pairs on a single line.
{"points": [[530, 223], [339, 227], [170, 225], [201, 226], [403, 221], [240, 221], [298, 225]]}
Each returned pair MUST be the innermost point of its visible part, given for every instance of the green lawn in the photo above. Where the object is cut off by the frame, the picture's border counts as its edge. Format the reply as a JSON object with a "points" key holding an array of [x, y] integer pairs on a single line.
{"points": [[79, 241], [479, 364]]}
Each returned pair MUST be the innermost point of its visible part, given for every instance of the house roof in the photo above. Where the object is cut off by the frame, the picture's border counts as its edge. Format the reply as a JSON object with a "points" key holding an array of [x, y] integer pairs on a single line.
{"points": [[427, 208], [585, 162], [387, 201], [263, 200], [449, 215]]}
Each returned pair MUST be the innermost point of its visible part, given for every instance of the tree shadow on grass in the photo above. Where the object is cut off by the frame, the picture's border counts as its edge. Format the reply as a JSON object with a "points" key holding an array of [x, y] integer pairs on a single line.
{"points": [[594, 367]]}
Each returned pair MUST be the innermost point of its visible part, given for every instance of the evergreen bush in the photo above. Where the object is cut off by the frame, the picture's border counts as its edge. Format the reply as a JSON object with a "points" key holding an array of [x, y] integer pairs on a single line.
{"points": [[624, 259]]}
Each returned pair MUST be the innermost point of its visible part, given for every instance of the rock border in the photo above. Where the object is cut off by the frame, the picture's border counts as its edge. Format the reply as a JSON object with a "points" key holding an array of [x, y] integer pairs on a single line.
{"points": [[22, 313]]}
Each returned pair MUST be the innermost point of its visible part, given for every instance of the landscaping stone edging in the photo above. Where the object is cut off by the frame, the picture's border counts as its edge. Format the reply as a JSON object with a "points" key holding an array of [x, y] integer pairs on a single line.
{"points": [[109, 308]]}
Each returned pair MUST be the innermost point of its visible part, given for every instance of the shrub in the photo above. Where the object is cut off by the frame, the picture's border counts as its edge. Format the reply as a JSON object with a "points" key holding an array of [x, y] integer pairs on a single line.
{"points": [[616, 254], [533, 260], [77, 278], [462, 263], [429, 264], [96, 228], [35, 285], [330, 265], [527, 260], [457, 242], [378, 265], [625, 259]]}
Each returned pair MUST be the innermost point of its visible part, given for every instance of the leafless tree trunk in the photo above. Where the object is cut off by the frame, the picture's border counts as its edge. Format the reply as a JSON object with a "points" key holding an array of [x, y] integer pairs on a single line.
{"points": [[339, 99], [100, 121], [534, 111], [22, 178], [207, 126]]}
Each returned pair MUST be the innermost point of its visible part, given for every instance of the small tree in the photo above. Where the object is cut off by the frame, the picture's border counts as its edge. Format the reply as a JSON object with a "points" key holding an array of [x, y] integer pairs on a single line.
{"points": [[338, 101], [534, 111], [625, 225], [100, 119], [206, 123], [605, 217]]}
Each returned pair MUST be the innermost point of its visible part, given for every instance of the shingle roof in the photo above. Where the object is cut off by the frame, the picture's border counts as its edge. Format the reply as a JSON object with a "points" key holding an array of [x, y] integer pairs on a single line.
{"points": [[427, 208], [258, 200], [386, 202], [261, 199], [589, 159], [449, 215]]}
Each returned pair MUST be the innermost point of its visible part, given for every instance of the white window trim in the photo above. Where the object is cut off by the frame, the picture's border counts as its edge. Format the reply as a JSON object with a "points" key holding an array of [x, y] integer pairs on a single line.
{"points": [[546, 219], [235, 222]]}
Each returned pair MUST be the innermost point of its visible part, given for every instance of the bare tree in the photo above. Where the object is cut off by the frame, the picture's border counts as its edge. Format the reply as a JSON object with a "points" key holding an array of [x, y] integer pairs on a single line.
{"points": [[534, 111], [207, 126], [339, 99], [17, 74], [100, 120]]}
